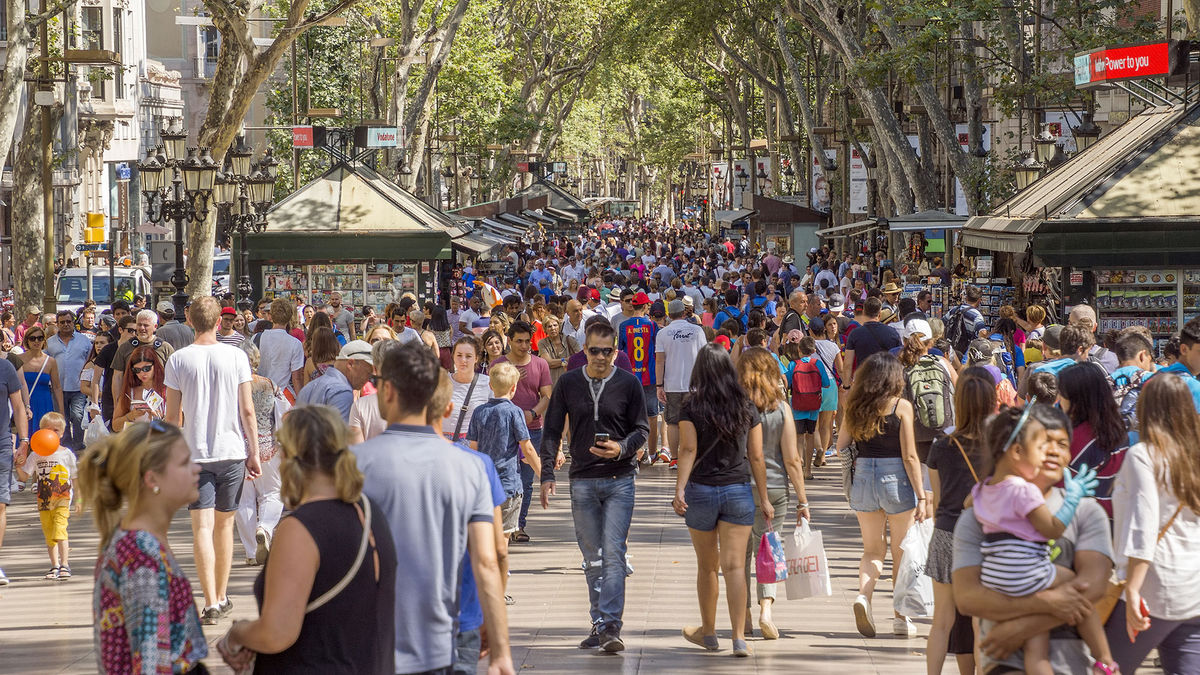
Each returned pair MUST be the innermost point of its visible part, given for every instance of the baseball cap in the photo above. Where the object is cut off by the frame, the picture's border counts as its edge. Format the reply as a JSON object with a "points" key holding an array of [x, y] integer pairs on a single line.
{"points": [[595, 294], [1050, 337], [640, 299], [816, 324], [165, 307], [228, 311], [356, 350], [914, 326], [837, 304]]}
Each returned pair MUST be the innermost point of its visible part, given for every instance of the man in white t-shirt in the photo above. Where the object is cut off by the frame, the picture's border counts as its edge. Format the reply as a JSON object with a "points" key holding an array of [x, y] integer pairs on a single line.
{"points": [[208, 384], [675, 349], [282, 355], [470, 315], [365, 419]]}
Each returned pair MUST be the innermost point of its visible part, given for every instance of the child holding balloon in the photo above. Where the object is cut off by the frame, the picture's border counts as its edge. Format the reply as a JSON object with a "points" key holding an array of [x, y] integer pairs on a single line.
{"points": [[53, 465]]}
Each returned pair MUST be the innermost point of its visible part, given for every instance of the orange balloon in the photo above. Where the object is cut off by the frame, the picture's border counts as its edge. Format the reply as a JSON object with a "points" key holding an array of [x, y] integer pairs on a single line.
{"points": [[44, 442]]}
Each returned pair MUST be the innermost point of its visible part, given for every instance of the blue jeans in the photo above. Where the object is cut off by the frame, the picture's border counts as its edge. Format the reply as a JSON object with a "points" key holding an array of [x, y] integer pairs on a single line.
{"points": [[75, 403], [466, 652], [602, 509], [535, 437]]}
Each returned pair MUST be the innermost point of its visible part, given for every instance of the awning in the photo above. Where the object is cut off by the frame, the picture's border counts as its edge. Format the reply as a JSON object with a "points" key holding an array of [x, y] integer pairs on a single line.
{"points": [[480, 242], [734, 215], [849, 229], [561, 215], [1006, 241], [517, 221], [502, 229], [926, 220]]}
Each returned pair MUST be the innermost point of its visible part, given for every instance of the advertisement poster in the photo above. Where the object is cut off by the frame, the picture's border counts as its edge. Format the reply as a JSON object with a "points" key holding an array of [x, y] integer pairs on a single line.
{"points": [[822, 195], [858, 180], [754, 184]]}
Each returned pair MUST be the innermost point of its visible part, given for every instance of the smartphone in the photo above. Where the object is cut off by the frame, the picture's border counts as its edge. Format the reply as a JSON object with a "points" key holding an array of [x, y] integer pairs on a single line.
{"points": [[600, 438]]}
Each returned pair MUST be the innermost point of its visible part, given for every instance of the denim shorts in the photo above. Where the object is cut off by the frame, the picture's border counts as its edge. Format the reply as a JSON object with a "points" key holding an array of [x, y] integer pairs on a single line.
{"points": [[881, 483], [706, 504], [650, 397]]}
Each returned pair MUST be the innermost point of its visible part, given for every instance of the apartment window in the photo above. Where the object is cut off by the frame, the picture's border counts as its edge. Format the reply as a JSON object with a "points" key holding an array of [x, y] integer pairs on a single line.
{"points": [[3, 22], [212, 43], [92, 29], [118, 22]]}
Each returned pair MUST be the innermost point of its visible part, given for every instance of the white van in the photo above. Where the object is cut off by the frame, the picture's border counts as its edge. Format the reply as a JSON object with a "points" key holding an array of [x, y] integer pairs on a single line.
{"points": [[72, 285]]}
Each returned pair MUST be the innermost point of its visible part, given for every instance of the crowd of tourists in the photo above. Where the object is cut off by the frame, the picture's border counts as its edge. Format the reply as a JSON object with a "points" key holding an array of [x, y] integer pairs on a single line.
{"points": [[1056, 465]]}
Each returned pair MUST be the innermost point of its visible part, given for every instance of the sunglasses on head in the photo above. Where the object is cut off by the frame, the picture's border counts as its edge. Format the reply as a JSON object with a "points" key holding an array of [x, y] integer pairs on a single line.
{"points": [[601, 351], [143, 369]]}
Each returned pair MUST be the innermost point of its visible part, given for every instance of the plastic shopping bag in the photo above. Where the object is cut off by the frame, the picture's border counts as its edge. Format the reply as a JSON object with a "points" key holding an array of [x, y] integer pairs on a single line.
{"points": [[914, 590], [771, 564], [807, 566], [94, 432]]}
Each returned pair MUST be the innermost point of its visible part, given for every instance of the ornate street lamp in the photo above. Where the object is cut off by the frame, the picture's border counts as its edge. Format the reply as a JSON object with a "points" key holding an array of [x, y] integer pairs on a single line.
{"points": [[1027, 170], [789, 178], [742, 178], [1043, 146], [177, 184], [1086, 133], [244, 195]]}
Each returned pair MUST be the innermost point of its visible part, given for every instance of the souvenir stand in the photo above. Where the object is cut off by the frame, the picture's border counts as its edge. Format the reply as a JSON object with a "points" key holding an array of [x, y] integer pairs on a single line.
{"points": [[354, 232]]}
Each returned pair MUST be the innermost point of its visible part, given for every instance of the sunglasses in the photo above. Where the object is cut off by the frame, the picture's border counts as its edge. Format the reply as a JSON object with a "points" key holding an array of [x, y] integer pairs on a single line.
{"points": [[143, 369], [156, 425], [131, 330], [36, 338], [601, 351]]}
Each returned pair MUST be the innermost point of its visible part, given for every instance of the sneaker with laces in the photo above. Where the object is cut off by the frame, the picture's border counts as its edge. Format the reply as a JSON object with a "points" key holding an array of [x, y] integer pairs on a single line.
{"points": [[225, 607], [210, 616], [610, 641], [262, 546], [592, 641], [904, 627]]}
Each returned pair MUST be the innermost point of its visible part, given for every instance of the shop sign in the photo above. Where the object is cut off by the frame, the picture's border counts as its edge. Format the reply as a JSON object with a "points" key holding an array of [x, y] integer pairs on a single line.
{"points": [[376, 137], [1130, 62], [302, 137], [1076, 278]]}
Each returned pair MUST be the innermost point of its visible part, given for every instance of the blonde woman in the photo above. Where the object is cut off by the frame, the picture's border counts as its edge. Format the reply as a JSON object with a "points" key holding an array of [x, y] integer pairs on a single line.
{"points": [[143, 606], [758, 372], [317, 547]]}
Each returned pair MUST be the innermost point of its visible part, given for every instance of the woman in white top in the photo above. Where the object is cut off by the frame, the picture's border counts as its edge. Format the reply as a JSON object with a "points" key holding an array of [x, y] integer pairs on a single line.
{"points": [[143, 397], [1156, 498], [466, 380]]}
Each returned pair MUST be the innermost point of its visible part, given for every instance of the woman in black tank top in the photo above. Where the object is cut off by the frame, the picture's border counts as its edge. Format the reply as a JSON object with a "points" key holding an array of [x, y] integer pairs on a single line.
{"points": [[315, 556], [886, 490]]}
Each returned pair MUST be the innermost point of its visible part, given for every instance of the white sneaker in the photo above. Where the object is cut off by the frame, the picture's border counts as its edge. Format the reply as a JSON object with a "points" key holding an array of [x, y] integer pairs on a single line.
{"points": [[904, 627], [862, 616], [3, 579], [262, 549]]}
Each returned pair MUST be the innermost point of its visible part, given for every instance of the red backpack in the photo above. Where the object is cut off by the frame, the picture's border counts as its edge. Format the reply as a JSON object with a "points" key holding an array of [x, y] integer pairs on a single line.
{"points": [[806, 386]]}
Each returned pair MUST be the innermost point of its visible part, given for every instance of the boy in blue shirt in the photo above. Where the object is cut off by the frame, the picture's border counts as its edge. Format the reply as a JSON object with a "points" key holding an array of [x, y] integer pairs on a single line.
{"points": [[498, 430]]}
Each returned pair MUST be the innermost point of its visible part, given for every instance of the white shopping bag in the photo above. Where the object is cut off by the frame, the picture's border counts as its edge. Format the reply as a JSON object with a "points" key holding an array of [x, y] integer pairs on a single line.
{"points": [[807, 567], [94, 432], [914, 590]]}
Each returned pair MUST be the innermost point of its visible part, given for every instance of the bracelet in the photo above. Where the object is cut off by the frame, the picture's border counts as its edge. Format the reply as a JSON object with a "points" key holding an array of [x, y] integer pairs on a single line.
{"points": [[802, 505], [659, 384], [922, 499]]}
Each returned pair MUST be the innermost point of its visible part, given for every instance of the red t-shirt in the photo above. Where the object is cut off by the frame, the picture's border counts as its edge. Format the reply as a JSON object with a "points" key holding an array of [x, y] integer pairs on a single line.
{"points": [[534, 376]]}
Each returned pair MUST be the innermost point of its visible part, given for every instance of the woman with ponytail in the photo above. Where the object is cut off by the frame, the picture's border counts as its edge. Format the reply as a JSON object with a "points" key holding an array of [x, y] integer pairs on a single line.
{"points": [[326, 595], [142, 607]]}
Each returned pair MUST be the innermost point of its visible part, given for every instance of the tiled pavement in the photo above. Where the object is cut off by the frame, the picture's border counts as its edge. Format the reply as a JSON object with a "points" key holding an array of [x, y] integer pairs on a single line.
{"points": [[45, 627]]}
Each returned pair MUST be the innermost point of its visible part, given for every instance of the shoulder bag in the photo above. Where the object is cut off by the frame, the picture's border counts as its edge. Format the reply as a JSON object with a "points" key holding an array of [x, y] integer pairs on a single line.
{"points": [[1116, 589], [462, 410]]}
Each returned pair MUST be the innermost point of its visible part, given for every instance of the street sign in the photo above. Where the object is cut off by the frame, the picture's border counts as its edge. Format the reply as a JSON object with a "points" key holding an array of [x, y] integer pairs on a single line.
{"points": [[523, 167], [1131, 62], [559, 167], [124, 171], [91, 247], [162, 252]]}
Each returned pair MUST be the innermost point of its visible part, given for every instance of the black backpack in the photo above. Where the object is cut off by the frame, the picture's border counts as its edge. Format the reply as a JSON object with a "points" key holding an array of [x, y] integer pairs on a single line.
{"points": [[957, 332]]}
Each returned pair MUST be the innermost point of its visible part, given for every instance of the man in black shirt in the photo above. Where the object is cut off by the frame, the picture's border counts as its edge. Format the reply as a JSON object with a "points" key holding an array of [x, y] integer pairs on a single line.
{"points": [[608, 424], [869, 338], [124, 332]]}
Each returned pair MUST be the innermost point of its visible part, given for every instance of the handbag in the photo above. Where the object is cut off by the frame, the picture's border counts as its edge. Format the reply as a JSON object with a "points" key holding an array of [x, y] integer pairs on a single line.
{"points": [[1105, 605], [770, 566], [463, 409], [364, 516], [966, 459]]}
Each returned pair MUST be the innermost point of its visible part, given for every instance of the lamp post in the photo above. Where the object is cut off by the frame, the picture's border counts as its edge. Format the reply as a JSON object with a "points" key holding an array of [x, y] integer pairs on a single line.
{"points": [[1086, 133], [1043, 146], [244, 194], [1027, 170], [177, 188]]}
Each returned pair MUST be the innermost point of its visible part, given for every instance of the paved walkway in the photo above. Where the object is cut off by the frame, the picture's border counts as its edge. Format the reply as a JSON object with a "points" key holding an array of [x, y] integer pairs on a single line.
{"points": [[45, 627]]}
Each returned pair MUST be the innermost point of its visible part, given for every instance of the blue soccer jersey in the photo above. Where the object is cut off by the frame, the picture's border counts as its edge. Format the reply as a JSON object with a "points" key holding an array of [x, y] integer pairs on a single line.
{"points": [[636, 339]]}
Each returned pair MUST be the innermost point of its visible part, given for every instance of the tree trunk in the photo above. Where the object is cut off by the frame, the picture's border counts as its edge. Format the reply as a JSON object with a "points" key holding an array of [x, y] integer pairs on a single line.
{"points": [[807, 119], [28, 228], [12, 80]]}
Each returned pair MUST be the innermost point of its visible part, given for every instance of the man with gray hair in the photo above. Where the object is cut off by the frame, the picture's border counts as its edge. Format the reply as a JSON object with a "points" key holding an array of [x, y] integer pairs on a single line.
{"points": [[675, 351], [146, 327], [1083, 316], [365, 420]]}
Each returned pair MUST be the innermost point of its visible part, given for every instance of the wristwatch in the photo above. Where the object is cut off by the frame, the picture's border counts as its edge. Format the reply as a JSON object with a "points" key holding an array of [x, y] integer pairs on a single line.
{"points": [[534, 414]]}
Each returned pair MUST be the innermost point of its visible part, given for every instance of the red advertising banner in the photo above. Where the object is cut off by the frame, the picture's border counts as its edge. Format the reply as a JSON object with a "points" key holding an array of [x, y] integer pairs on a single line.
{"points": [[1125, 63], [302, 137]]}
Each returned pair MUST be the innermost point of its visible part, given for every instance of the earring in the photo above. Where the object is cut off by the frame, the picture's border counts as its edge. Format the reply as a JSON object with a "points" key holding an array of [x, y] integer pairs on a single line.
{"points": [[156, 489]]}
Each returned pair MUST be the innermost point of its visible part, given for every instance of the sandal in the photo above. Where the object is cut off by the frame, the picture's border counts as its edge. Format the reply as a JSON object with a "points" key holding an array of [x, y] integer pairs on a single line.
{"points": [[64, 572], [52, 574], [520, 537]]}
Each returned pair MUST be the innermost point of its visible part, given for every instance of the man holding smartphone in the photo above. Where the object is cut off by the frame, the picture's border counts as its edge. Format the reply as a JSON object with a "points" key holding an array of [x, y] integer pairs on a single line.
{"points": [[608, 425]]}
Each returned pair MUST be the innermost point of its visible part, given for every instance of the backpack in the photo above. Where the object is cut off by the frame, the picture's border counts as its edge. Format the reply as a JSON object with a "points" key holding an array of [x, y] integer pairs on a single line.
{"points": [[929, 389], [956, 329], [806, 386], [1126, 391]]}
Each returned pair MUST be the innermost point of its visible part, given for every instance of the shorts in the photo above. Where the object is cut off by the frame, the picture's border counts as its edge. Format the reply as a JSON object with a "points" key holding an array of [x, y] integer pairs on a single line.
{"points": [[220, 485], [940, 562], [650, 394], [707, 504], [1015, 567], [674, 406], [805, 426], [829, 398], [881, 484], [510, 513], [6, 467], [54, 524]]}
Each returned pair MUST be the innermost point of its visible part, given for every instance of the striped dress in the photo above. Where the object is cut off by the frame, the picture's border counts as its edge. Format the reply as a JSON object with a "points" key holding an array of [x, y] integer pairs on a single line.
{"points": [[1016, 558]]}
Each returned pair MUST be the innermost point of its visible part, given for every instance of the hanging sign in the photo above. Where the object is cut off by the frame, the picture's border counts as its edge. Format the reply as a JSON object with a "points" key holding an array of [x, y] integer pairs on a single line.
{"points": [[1131, 62]]}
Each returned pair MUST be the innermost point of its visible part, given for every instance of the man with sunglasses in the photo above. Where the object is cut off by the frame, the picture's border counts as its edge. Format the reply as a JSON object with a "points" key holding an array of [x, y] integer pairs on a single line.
{"points": [[124, 331], [607, 417], [70, 350]]}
